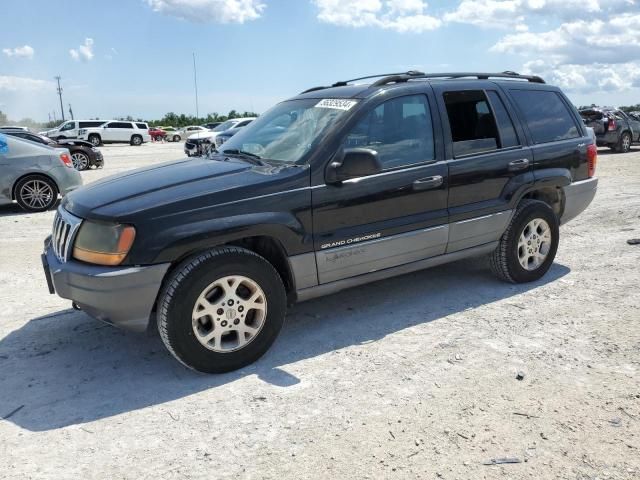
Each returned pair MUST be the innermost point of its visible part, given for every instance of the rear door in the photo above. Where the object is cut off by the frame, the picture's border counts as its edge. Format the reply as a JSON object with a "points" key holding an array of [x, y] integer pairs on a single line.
{"points": [[391, 218], [488, 158]]}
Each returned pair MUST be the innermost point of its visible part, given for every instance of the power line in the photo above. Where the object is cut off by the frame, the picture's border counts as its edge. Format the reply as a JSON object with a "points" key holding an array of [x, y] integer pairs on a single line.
{"points": [[60, 95]]}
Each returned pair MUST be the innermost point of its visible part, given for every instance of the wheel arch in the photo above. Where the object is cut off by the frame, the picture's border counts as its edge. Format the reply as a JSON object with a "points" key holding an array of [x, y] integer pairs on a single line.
{"points": [[31, 174], [548, 187]]}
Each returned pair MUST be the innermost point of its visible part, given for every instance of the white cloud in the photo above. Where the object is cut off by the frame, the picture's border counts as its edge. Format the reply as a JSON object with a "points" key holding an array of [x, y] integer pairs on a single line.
{"points": [[10, 83], [84, 52], [202, 11], [399, 15], [20, 52]]}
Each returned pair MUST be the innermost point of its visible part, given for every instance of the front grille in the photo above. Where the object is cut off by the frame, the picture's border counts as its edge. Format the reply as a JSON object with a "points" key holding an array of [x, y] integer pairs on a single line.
{"points": [[65, 227]]}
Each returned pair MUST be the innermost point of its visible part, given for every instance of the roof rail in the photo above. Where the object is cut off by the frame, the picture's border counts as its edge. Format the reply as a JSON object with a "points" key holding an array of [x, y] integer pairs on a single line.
{"points": [[344, 83], [480, 76]]}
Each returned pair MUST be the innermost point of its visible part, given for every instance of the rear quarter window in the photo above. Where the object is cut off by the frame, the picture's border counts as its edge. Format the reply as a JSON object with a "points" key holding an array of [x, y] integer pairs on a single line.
{"points": [[143, 126], [546, 115]]}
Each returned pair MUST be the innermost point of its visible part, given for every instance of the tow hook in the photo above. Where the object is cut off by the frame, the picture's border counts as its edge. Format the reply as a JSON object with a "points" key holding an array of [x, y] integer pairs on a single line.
{"points": [[75, 306]]}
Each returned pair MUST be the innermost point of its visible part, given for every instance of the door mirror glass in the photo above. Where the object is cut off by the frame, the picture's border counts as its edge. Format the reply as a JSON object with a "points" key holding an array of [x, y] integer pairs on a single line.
{"points": [[354, 163]]}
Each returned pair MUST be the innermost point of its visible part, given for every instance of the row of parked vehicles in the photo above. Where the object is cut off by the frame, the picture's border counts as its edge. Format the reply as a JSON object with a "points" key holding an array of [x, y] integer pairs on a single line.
{"points": [[613, 128]]}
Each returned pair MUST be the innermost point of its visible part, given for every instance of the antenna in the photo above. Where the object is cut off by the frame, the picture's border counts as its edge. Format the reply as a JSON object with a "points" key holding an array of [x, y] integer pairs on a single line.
{"points": [[60, 95], [195, 83]]}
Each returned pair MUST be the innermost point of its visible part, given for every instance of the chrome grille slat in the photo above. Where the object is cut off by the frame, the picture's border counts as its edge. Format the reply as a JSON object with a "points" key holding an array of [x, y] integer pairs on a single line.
{"points": [[63, 233]]}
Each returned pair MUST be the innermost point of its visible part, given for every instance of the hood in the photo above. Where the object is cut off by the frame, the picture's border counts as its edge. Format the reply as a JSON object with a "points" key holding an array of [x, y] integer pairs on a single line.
{"points": [[177, 186], [203, 135]]}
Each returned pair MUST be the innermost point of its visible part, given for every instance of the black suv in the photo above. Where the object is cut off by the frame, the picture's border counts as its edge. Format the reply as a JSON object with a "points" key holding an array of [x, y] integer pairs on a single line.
{"points": [[334, 188], [614, 128]]}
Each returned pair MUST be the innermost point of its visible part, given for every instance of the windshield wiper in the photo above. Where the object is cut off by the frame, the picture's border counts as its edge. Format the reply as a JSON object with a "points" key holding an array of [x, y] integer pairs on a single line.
{"points": [[252, 157]]}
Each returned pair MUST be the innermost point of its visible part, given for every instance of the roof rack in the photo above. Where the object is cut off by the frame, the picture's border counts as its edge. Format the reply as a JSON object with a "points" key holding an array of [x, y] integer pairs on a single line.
{"points": [[344, 83], [480, 76]]}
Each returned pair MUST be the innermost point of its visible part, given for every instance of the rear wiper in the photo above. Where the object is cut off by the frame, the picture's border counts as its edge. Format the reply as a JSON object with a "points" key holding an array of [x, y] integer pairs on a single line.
{"points": [[252, 157]]}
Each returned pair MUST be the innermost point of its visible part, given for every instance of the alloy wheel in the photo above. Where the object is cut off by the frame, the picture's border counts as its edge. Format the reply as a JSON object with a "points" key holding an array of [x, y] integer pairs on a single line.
{"points": [[229, 313], [534, 244], [37, 194], [80, 161]]}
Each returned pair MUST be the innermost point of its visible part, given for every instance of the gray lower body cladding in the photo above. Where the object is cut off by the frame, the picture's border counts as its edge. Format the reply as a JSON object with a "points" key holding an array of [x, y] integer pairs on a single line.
{"points": [[578, 196], [122, 296]]}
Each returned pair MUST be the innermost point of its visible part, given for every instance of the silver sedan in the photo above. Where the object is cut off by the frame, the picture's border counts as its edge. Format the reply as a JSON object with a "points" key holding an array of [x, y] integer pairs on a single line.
{"points": [[33, 174]]}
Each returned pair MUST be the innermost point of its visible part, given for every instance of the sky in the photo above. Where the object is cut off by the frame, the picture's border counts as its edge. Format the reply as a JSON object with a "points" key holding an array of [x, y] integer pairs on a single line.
{"points": [[134, 57]]}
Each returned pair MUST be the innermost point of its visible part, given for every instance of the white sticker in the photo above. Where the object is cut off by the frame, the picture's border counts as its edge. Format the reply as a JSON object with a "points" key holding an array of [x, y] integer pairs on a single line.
{"points": [[336, 103]]}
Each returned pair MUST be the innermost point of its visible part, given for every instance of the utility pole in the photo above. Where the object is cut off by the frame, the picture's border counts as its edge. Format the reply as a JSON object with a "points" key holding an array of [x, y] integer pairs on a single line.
{"points": [[60, 95], [195, 83], [70, 112]]}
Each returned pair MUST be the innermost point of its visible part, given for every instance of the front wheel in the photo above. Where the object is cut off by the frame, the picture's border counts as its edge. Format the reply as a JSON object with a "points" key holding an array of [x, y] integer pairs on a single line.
{"points": [[176, 138], [221, 310], [95, 140], [528, 246]]}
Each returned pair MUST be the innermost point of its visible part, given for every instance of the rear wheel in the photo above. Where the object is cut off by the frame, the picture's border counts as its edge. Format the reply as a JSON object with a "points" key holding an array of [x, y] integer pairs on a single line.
{"points": [[221, 310], [80, 160], [528, 246], [36, 193], [136, 140], [176, 138], [624, 143], [95, 139]]}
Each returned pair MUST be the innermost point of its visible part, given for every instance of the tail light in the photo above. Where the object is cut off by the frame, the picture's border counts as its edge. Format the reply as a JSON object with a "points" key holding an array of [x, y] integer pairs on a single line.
{"points": [[64, 158], [612, 124], [592, 159]]}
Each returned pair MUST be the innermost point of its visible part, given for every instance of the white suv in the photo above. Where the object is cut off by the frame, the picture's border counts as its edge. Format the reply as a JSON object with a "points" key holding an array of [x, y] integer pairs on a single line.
{"points": [[70, 128], [116, 131]]}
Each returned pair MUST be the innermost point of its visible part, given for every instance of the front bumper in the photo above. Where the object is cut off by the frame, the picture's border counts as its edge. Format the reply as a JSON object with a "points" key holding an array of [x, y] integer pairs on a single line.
{"points": [[121, 296], [577, 197]]}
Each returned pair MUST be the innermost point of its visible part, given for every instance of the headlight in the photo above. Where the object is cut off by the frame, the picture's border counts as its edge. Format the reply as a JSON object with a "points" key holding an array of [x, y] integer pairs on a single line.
{"points": [[103, 243]]}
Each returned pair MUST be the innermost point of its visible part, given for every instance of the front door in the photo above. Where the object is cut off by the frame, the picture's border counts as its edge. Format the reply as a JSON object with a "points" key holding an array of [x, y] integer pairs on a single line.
{"points": [[394, 217]]}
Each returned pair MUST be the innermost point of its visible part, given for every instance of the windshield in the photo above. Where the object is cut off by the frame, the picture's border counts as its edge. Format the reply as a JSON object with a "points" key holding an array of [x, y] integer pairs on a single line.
{"points": [[289, 130], [225, 126]]}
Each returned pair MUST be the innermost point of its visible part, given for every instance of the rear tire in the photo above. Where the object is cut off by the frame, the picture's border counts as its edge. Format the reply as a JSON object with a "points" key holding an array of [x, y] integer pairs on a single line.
{"points": [[221, 310], [80, 161], [36, 193], [176, 138], [624, 143], [529, 245], [136, 140], [95, 139]]}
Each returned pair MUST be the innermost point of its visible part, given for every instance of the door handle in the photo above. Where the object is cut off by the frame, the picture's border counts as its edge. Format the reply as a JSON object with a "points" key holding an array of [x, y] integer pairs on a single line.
{"points": [[521, 164], [428, 183]]}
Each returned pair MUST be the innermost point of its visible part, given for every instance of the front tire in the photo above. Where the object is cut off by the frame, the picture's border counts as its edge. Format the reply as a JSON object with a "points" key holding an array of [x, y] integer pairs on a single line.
{"points": [[36, 193], [529, 245], [221, 310], [95, 140], [176, 138]]}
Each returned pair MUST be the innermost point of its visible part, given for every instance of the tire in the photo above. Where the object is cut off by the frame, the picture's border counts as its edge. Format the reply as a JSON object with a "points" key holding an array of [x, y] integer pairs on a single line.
{"points": [[624, 143], [80, 161], [538, 248], [95, 139], [25, 193], [195, 287], [136, 140], [176, 138]]}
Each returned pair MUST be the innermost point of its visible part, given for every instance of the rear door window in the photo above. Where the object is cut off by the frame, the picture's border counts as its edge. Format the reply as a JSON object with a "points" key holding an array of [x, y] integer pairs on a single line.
{"points": [[508, 136], [119, 125], [546, 115], [473, 126]]}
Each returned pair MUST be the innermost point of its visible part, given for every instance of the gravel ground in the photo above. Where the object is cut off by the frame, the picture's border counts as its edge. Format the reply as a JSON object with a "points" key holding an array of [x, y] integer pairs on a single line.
{"points": [[413, 377]]}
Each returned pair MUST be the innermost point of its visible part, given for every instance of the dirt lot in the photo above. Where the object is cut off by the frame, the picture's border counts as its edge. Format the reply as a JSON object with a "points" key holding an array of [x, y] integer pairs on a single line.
{"points": [[414, 377]]}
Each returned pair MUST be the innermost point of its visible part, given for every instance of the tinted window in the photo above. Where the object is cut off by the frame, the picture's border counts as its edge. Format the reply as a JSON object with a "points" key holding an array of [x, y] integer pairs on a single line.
{"points": [[143, 126], [243, 124], [91, 124], [400, 130], [473, 127], [119, 125], [508, 137], [547, 116]]}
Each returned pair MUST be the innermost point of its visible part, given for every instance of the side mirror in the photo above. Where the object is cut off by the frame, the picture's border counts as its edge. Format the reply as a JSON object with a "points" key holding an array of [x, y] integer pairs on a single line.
{"points": [[353, 163]]}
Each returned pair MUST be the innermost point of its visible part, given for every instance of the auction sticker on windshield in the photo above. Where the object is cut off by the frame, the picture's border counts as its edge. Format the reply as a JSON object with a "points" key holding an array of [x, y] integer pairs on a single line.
{"points": [[336, 103]]}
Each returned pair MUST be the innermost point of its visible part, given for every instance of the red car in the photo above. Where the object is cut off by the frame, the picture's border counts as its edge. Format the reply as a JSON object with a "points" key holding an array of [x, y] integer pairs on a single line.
{"points": [[157, 134]]}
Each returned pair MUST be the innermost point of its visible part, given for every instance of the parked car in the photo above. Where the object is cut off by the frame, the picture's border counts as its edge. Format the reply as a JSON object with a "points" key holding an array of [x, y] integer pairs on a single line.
{"points": [[185, 132], [201, 142], [635, 115], [224, 136], [83, 154], [69, 129], [157, 133], [613, 128], [9, 127], [363, 182], [212, 125], [133, 133], [33, 174]]}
